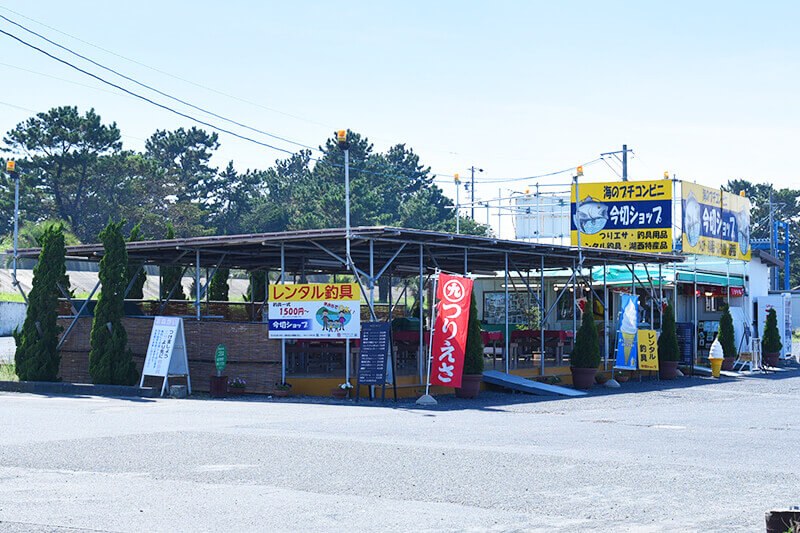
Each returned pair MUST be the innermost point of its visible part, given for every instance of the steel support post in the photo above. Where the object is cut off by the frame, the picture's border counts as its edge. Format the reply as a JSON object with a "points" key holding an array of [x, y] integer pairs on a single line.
{"points": [[507, 333], [574, 301], [694, 316], [421, 299], [660, 299], [283, 341], [542, 318], [606, 325]]}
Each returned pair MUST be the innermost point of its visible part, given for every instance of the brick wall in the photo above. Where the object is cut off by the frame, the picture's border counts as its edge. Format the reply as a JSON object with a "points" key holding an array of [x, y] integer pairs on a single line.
{"points": [[251, 354]]}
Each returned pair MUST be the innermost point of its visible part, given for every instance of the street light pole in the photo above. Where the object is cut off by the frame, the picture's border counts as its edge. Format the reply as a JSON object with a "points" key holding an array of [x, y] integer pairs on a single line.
{"points": [[341, 137], [11, 169]]}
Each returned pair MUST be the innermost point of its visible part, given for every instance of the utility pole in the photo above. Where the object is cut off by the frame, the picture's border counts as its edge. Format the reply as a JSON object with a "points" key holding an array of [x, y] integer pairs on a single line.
{"points": [[458, 182], [473, 169], [773, 274], [624, 159], [624, 162]]}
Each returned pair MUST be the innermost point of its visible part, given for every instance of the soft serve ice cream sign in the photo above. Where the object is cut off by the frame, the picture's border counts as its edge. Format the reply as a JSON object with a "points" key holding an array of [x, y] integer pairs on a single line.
{"points": [[627, 348]]}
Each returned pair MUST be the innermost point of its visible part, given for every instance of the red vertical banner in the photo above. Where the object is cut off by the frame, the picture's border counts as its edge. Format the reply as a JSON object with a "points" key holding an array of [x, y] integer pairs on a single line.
{"points": [[450, 330]]}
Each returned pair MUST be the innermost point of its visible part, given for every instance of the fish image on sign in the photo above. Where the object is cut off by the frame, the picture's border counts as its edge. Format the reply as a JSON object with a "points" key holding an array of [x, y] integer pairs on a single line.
{"points": [[591, 216], [692, 220], [743, 235]]}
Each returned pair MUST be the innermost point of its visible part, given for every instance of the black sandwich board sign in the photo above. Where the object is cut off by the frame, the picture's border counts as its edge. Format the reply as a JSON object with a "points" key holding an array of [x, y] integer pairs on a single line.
{"points": [[375, 361], [685, 334]]}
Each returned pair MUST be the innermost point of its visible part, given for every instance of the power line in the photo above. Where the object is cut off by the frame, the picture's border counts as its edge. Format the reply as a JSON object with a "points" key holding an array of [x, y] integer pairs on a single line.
{"points": [[190, 82], [162, 93], [210, 125], [526, 178], [203, 110], [165, 73], [184, 115]]}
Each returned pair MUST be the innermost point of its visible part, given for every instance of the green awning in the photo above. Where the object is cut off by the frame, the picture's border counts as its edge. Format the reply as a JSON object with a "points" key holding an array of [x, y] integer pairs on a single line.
{"points": [[616, 275], [619, 275], [710, 279]]}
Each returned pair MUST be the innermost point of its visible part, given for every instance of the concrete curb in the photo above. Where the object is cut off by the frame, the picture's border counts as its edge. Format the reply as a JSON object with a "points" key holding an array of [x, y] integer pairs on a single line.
{"points": [[82, 389]]}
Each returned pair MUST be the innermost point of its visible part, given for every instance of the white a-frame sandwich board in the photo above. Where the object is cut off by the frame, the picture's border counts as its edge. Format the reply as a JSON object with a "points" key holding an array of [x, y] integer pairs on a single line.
{"points": [[166, 352]]}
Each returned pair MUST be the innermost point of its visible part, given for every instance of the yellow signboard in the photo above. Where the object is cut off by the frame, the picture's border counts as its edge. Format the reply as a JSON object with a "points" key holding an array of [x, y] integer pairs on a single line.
{"points": [[314, 292], [648, 349], [631, 215], [715, 222]]}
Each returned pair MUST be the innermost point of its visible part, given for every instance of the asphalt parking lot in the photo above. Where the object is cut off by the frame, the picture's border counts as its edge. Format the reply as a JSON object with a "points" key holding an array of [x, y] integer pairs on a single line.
{"points": [[694, 454]]}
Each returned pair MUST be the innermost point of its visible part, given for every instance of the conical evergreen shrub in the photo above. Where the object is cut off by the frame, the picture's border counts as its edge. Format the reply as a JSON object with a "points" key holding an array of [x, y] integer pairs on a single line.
{"points": [[473, 354], [257, 287], [668, 340], [170, 275], [137, 289], [727, 337], [771, 342], [36, 358], [219, 285], [110, 361], [586, 352]]}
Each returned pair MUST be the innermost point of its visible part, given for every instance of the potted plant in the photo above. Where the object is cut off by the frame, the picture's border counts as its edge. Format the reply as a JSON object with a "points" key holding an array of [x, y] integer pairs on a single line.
{"points": [[586, 356], [622, 377], [771, 344], [600, 378], [668, 353], [727, 338], [236, 386], [473, 356], [342, 391], [282, 389]]}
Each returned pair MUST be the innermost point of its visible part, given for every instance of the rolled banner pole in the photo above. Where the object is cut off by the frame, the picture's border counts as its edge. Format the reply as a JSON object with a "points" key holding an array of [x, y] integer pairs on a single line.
{"points": [[427, 399]]}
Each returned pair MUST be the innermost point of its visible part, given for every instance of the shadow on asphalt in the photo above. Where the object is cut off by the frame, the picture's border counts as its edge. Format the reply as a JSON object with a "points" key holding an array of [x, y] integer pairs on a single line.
{"points": [[496, 397]]}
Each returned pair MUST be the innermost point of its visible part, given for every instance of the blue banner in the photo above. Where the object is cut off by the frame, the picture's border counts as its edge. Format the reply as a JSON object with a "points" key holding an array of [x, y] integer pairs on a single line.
{"points": [[290, 324], [627, 347]]}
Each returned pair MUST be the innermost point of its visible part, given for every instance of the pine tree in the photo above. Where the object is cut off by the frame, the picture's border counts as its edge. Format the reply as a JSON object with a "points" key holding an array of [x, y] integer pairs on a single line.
{"points": [[668, 340], [727, 337], [110, 361], [586, 352], [37, 358], [137, 289], [473, 354], [219, 285], [170, 275]]}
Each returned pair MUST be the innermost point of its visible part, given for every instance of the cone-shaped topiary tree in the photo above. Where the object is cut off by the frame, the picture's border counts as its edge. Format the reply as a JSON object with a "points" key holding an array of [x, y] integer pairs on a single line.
{"points": [[137, 289], [110, 361], [219, 285], [668, 340], [771, 343], [727, 337], [258, 286], [586, 352], [36, 357], [473, 352], [171, 275]]}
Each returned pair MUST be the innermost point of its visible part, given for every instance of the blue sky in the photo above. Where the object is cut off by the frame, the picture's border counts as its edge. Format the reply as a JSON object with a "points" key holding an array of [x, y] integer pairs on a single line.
{"points": [[706, 90]]}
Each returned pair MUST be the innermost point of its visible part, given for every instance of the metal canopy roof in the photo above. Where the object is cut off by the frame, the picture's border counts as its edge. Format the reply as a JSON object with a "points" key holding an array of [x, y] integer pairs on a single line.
{"points": [[323, 250]]}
